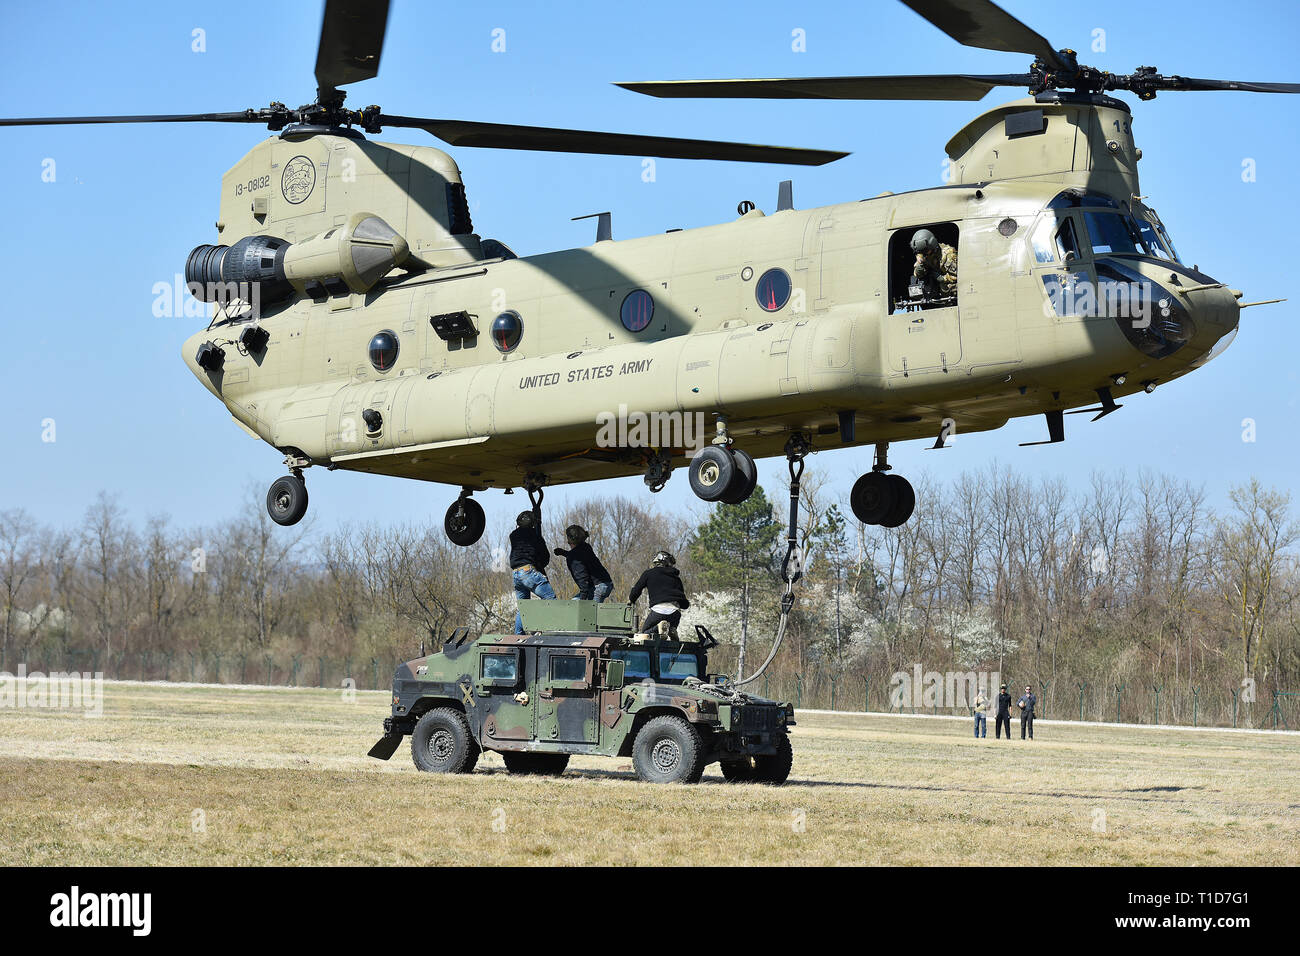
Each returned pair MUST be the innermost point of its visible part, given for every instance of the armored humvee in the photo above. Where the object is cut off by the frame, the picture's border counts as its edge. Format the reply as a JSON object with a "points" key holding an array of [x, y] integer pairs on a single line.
{"points": [[581, 681]]}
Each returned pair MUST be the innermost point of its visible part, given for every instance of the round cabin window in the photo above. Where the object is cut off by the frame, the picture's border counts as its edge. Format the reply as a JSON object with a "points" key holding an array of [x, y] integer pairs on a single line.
{"points": [[638, 309], [383, 351], [773, 290], [507, 329]]}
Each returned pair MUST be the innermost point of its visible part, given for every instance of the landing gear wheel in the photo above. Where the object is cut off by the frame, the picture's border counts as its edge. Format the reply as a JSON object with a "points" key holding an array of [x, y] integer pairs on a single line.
{"points": [[744, 480], [904, 502], [286, 500], [872, 497], [775, 768], [465, 522], [711, 472], [548, 765], [738, 771], [667, 750], [442, 742]]}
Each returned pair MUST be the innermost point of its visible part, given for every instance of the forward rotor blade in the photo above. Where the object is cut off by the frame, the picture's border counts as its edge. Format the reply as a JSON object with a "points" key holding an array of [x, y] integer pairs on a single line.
{"points": [[983, 24], [547, 139], [351, 41], [247, 116], [956, 86], [1192, 83]]}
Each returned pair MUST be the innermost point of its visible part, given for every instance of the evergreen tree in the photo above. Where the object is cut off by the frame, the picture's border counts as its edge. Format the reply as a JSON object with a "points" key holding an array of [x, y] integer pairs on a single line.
{"points": [[736, 549]]}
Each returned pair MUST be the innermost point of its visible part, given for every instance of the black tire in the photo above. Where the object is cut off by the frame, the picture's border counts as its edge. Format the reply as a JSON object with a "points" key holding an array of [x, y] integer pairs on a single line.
{"points": [[872, 497], [549, 765], [775, 768], [442, 742], [667, 750], [711, 472], [744, 480], [286, 500], [465, 522], [904, 502], [739, 770]]}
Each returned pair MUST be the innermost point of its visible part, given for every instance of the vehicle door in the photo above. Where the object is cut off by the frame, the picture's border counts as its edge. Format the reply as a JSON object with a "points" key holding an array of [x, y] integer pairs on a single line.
{"points": [[501, 695], [566, 695]]}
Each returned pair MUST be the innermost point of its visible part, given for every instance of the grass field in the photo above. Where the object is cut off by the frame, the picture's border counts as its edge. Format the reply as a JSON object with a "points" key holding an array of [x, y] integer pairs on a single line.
{"points": [[180, 774]]}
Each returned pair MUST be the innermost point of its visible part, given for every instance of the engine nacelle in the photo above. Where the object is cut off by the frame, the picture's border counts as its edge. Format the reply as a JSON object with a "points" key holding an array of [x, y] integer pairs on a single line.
{"points": [[265, 269]]}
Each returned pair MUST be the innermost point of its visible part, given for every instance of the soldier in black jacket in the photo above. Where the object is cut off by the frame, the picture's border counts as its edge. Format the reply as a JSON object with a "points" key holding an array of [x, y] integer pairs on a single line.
{"points": [[593, 581], [665, 594], [528, 559], [1026, 704], [1004, 713]]}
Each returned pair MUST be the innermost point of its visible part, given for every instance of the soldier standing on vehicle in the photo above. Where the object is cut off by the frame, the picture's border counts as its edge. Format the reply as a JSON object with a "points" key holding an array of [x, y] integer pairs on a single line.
{"points": [[935, 270], [1003, 714], [665, 593], [981, 710], [593, 581], [1026, 705], [528, 559]]}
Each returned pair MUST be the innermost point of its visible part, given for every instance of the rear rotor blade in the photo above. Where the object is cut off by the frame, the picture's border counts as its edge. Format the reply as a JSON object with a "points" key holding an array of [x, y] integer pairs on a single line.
{"points": [[981, 23], [956, 86], [247, 116], [547, 139], [351, 41]]}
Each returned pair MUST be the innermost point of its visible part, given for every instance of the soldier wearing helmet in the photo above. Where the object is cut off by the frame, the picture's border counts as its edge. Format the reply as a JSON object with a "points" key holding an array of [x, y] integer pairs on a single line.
{"points": [[935, 270], [665, 593], [528, 559], [594, 582]]}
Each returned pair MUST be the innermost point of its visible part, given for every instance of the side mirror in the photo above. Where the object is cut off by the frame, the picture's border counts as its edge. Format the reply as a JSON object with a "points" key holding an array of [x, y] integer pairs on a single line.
{"points": [[614, 673]]}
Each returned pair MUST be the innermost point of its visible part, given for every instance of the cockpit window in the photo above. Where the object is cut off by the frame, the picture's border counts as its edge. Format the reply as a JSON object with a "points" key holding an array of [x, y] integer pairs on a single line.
{"points": [[1075, 198], [1065, 239], [1112, 233], [678, 664], [636, 664]]}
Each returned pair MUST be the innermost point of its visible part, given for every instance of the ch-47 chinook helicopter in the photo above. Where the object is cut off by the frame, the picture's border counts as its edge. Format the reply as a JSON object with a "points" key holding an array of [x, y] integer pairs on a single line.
{"points": [[360, 322]]}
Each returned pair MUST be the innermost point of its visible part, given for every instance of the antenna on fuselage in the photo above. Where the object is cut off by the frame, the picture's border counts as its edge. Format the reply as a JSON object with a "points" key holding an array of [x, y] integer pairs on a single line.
{"points": [[604, 224], [785, 195]]}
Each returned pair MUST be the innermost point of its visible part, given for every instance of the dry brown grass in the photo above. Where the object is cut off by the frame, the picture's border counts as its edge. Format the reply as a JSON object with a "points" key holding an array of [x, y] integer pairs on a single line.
{"points": [[281, 776]]}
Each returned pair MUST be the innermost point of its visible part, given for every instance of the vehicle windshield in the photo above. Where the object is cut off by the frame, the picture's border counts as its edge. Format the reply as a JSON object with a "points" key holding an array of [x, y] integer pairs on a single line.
{"points": [[678, 664]]}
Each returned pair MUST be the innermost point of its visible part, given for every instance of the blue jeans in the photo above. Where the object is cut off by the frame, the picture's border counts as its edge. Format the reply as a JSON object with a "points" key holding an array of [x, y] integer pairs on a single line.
{"points": [[528, 583], [597, 594], [981, 725]]}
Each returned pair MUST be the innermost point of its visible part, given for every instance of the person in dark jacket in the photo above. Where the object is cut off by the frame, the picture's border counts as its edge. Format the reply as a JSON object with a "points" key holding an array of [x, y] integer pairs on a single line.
{"points": [[1026, 704], [593, 581], [664, 593], [1004, 714], [528, 559]]}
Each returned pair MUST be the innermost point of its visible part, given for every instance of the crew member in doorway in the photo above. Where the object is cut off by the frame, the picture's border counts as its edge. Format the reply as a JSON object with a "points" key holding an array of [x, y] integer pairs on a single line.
{"points": [[528, 559], [593, 581], [664, 593], [935, 270]]}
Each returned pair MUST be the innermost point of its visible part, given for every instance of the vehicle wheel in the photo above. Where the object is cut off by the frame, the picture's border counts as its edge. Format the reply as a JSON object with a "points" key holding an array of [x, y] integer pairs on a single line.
{"points": [[738, 771], [711, 472], [872, 497], [442, 742], [549, 765], [744, 480], [775, 768], [286, 500], [904, 502], [667, 750], [465, 522]]}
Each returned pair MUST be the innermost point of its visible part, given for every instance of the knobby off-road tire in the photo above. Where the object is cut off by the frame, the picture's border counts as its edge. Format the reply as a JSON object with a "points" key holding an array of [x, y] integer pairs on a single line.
{"points": [[442, 742], [740, 770], [775, 768], [549, 765], [668, 750]]}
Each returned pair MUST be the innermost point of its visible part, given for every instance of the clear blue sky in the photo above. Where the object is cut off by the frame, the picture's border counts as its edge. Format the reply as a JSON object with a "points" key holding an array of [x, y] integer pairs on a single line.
{"points": [[79, 256]]}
